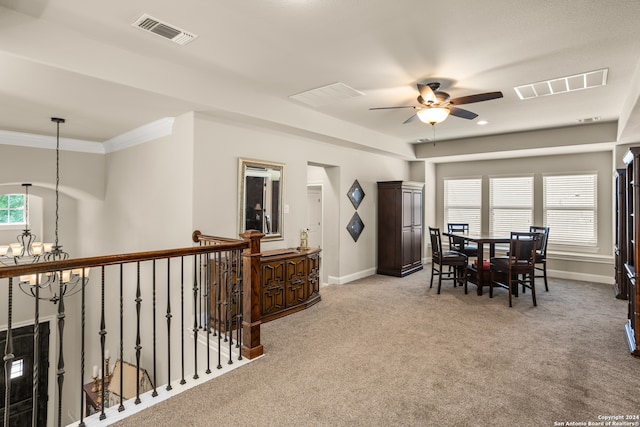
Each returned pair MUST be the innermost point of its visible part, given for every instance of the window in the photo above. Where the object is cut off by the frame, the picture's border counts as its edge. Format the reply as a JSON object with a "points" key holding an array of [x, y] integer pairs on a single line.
{"points": [[570, 209], [12, 209], [511, 204], [462, 202], [17, 368]]}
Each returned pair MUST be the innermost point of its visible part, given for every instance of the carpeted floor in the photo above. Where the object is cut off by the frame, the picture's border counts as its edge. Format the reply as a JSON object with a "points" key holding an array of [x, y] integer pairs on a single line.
{"points": [[385, 351]]}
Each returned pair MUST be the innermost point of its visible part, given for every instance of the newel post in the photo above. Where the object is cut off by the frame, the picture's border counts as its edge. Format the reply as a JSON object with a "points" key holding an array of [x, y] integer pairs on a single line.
{"points": [[252, 278]]}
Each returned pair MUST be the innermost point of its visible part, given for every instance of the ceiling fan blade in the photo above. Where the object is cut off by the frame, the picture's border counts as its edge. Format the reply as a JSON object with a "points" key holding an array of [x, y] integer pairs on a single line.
{"points": [[470, 99], [411, 119], [390, 108], [442, 96], [462, 113], [427, 93]]}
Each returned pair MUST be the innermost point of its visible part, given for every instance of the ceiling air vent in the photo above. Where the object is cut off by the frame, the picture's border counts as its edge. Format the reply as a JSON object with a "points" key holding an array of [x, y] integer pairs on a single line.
{"points": [[326, 94], [162, 29], [563, 84]]}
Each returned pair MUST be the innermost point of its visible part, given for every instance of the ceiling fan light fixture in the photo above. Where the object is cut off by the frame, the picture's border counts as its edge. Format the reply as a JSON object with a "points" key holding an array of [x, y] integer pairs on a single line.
{"points": [[433, 115]]}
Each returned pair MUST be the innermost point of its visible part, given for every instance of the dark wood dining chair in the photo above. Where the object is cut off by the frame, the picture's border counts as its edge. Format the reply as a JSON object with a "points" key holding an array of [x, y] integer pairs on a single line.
{"points": [[441, 259], [461, 245], [518, 268], [541, 252]]}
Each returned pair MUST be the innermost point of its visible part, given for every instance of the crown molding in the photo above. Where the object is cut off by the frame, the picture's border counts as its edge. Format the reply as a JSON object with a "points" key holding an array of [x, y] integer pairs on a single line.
{"points": [[145, 133], [148, 132], [49, 142]]}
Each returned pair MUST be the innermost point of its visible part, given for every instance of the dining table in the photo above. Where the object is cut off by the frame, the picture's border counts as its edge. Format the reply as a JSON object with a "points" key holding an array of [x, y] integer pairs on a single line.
{"points": [[480, 275]]}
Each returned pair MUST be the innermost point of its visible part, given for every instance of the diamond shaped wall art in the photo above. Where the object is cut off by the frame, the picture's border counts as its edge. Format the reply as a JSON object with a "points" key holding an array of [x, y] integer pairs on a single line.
{"points": [[355, 226], [355, 194]]}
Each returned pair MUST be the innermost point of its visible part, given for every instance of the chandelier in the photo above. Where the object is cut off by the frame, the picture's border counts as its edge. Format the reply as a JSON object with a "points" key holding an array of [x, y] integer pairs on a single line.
{"points": [[28, 250]]}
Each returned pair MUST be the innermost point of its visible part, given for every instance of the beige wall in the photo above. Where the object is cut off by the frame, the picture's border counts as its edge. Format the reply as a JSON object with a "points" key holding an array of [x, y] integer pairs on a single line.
{"points": [[220, 142]]}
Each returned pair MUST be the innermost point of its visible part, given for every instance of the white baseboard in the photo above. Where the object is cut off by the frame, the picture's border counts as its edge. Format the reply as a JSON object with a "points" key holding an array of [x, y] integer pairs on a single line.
{"points": [[333, 280], [572, 275]]}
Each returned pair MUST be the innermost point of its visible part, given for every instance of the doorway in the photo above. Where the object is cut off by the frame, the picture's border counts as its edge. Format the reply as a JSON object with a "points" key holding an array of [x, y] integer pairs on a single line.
{"points": [[314, 218], [314, 210], [21, 402]]}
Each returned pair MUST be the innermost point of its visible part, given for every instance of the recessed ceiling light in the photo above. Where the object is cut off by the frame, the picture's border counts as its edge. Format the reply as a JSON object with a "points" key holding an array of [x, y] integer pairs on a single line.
{"points": [[423, 140], [482, 122]]}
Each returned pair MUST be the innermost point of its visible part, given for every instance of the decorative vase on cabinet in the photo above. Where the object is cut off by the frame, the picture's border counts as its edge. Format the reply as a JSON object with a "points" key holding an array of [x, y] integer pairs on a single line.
{"points": [[400, 228]]}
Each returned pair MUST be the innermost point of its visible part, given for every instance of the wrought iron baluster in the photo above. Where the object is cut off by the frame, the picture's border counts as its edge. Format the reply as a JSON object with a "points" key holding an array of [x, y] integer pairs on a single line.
{"points": [[138, 346], [36, 357], [201, 326], [224, 276], [155, 392], [82, 347], [240, 284], [168, 324], [60, 372], [103, 338], [8, 356], [229, 302], [182, 380], [195, 317], [207, 287], [121, 406], [219, 306]]}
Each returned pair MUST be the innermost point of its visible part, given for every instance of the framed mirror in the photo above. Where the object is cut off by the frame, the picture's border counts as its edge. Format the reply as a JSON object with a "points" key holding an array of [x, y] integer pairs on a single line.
{"points": [[261, 201]]}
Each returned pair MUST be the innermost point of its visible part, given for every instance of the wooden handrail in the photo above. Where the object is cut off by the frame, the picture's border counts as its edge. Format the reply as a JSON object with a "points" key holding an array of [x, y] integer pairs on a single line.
{"points": [[69, 264], [251, 244], [198, 237]]}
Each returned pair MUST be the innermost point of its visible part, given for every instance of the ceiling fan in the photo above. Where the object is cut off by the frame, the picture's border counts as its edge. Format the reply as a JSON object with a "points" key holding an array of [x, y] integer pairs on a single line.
{"points": [[435, 106]]}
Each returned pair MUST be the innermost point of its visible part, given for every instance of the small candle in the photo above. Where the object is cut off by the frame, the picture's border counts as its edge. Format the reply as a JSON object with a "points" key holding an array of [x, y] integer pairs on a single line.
{"points": [[106, 354], [100, 373], [95, 371]]}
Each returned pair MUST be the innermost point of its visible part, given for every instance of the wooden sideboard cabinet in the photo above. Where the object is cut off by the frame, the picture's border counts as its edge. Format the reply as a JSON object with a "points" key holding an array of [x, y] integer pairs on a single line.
{"points": [[632, 240], [400, 228], [290, 282]]}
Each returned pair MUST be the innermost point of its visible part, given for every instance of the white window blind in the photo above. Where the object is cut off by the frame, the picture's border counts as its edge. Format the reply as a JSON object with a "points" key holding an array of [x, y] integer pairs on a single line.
{"points": [[463, 202], [570, 207], [511, 201]]}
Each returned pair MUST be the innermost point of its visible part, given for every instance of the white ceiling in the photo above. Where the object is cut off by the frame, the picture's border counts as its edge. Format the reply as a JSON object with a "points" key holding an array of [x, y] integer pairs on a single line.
{"points": [[84, 61]]}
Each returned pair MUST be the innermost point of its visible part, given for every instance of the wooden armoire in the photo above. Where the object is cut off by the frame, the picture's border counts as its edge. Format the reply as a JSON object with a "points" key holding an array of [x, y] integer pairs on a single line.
{"points": [[632, 240], [400, 214]]}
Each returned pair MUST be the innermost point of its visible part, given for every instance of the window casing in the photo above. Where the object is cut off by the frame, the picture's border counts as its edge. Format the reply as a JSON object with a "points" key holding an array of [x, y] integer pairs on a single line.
{"points": [[570, 209], [511, 204], [463, 202]]}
